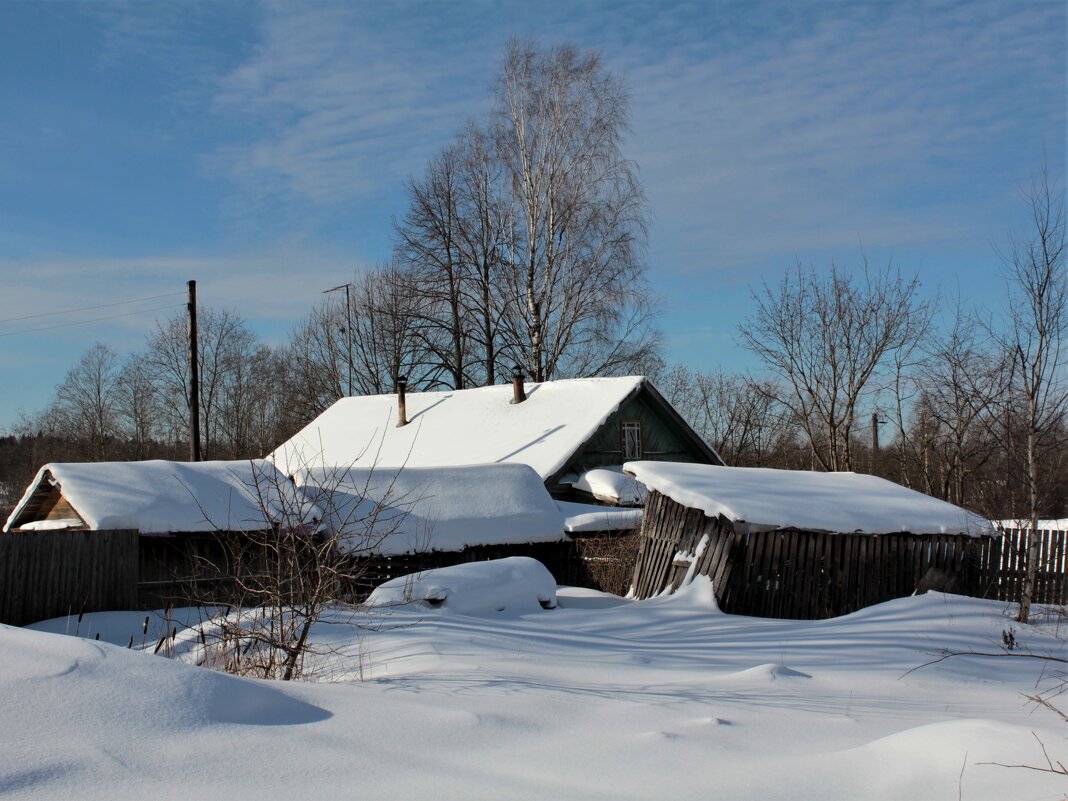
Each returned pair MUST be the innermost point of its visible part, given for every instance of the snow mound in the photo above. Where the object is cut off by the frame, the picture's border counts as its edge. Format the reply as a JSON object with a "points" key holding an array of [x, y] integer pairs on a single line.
{"points": [[517, 584], [57, 679], [697, 594], [771, 672]]}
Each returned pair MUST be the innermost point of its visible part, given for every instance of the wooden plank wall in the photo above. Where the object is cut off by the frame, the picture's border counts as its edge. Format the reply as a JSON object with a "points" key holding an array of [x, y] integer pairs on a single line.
{"points": [[51, 573], [807, 575]]}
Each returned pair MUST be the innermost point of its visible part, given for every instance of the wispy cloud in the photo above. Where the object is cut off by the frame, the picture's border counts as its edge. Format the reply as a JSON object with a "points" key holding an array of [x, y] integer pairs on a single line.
{"points": [[759, 130], [872, 122], [340, 108]]}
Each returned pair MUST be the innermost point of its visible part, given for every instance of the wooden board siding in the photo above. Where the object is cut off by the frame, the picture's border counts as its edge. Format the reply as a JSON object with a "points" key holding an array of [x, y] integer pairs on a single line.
{"points": [[661, 438], [807, 575], [47, 574], [46, 503]]}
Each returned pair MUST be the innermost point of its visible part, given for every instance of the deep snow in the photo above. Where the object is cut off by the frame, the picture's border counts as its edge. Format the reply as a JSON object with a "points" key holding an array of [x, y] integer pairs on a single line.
{"points": [[600, 698]]}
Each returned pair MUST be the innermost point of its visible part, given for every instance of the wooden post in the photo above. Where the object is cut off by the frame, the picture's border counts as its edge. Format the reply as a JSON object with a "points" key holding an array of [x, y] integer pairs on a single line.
{"points": [[348, 330], [194, 378], [874, 441], [402, 406]]}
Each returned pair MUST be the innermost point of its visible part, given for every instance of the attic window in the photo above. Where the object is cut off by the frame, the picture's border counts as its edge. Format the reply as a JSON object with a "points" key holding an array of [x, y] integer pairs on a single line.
{"points": [[632, 440]]}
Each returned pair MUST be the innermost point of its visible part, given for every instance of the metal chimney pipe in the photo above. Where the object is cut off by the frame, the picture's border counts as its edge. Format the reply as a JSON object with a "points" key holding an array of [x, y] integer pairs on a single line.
{"points": [[402, 409], [519, 391]]}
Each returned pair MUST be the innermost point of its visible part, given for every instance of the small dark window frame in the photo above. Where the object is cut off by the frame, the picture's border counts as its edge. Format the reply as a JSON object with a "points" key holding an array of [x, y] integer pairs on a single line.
{"points": [[623, 428]]}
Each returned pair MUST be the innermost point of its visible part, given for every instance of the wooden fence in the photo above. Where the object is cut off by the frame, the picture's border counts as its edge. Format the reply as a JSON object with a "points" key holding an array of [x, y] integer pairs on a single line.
{"points": [[788, 574], [51, 573], [806, 575]]}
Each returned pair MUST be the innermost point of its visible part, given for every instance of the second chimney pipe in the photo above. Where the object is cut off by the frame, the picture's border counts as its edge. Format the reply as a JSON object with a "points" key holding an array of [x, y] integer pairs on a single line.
{"points": [[402, 409], [519, 392]]}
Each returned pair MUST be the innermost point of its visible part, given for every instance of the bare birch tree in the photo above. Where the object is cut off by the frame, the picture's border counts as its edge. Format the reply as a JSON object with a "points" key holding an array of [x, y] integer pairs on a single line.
{"points": [[1033, 342], [574, 275]]}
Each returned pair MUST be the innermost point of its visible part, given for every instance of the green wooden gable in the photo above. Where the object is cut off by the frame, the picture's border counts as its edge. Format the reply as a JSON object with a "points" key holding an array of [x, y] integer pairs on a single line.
{"points": [[663, 436]]}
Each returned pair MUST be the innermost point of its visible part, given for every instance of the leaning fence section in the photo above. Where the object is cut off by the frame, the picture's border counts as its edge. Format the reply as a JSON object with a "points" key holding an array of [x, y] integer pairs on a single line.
{"points": [[790, 573]]}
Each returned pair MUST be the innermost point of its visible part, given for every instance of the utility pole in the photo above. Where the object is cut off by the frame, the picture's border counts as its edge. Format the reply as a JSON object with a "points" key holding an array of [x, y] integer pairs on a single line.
{"points": [[348, 326], [194, 378], [875, 423]]}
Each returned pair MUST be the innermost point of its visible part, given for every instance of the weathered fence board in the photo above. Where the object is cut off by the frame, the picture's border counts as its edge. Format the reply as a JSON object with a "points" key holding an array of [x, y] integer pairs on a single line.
{"points": [[51, 573]]}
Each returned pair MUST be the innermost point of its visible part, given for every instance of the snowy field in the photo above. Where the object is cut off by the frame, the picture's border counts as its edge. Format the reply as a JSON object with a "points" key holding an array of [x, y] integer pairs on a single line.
{"points": [[599, 698]]}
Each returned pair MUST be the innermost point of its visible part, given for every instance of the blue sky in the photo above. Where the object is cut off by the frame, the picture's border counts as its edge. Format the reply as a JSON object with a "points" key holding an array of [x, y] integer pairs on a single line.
{"points": [[262, 149]]}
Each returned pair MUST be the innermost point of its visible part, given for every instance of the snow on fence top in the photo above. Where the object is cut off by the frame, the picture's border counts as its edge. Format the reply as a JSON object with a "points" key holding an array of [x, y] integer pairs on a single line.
{"points": [[1044, 524], [841, 503], [395, 511], [460, 427], [162, 496]]}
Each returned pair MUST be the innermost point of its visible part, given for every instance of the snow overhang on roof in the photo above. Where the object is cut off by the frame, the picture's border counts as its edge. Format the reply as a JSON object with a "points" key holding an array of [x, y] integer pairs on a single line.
{"points": [[588, 517], [843, 503], [460, 427]]}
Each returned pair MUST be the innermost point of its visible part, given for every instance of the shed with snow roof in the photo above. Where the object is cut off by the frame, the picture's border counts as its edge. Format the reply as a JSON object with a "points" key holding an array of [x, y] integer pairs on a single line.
{"points": [[798, 544], [185, 514]]}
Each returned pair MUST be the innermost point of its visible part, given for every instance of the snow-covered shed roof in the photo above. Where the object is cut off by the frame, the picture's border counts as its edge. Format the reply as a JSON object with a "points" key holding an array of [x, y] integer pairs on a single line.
{"points": [[395, 511], [461, 427], [609, 484], [159, 496], [835, 502], [589, 517]]}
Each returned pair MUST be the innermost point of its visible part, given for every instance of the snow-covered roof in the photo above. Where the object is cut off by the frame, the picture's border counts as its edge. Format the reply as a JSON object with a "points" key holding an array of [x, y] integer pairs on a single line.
{"points": [[460, 427], [395, 511], [835, 502], [586, 517], [162, 496]]}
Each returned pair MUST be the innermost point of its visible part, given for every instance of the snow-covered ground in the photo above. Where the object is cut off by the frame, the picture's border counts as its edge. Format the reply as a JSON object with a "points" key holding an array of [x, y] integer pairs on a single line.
{"points": [[599, 698]]}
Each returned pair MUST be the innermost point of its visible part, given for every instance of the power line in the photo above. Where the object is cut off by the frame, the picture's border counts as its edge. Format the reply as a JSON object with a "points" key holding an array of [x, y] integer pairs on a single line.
{"points": [[90, 308], [94, 320]]}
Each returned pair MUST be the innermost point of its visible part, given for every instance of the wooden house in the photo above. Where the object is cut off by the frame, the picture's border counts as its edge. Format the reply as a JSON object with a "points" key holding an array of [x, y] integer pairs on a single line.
{"points": [[799, 544], [562, 429]]}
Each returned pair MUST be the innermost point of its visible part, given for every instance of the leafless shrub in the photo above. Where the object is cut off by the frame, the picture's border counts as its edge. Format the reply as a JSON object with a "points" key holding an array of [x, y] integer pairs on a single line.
{"points": [[609, 559], [309, 567]]}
